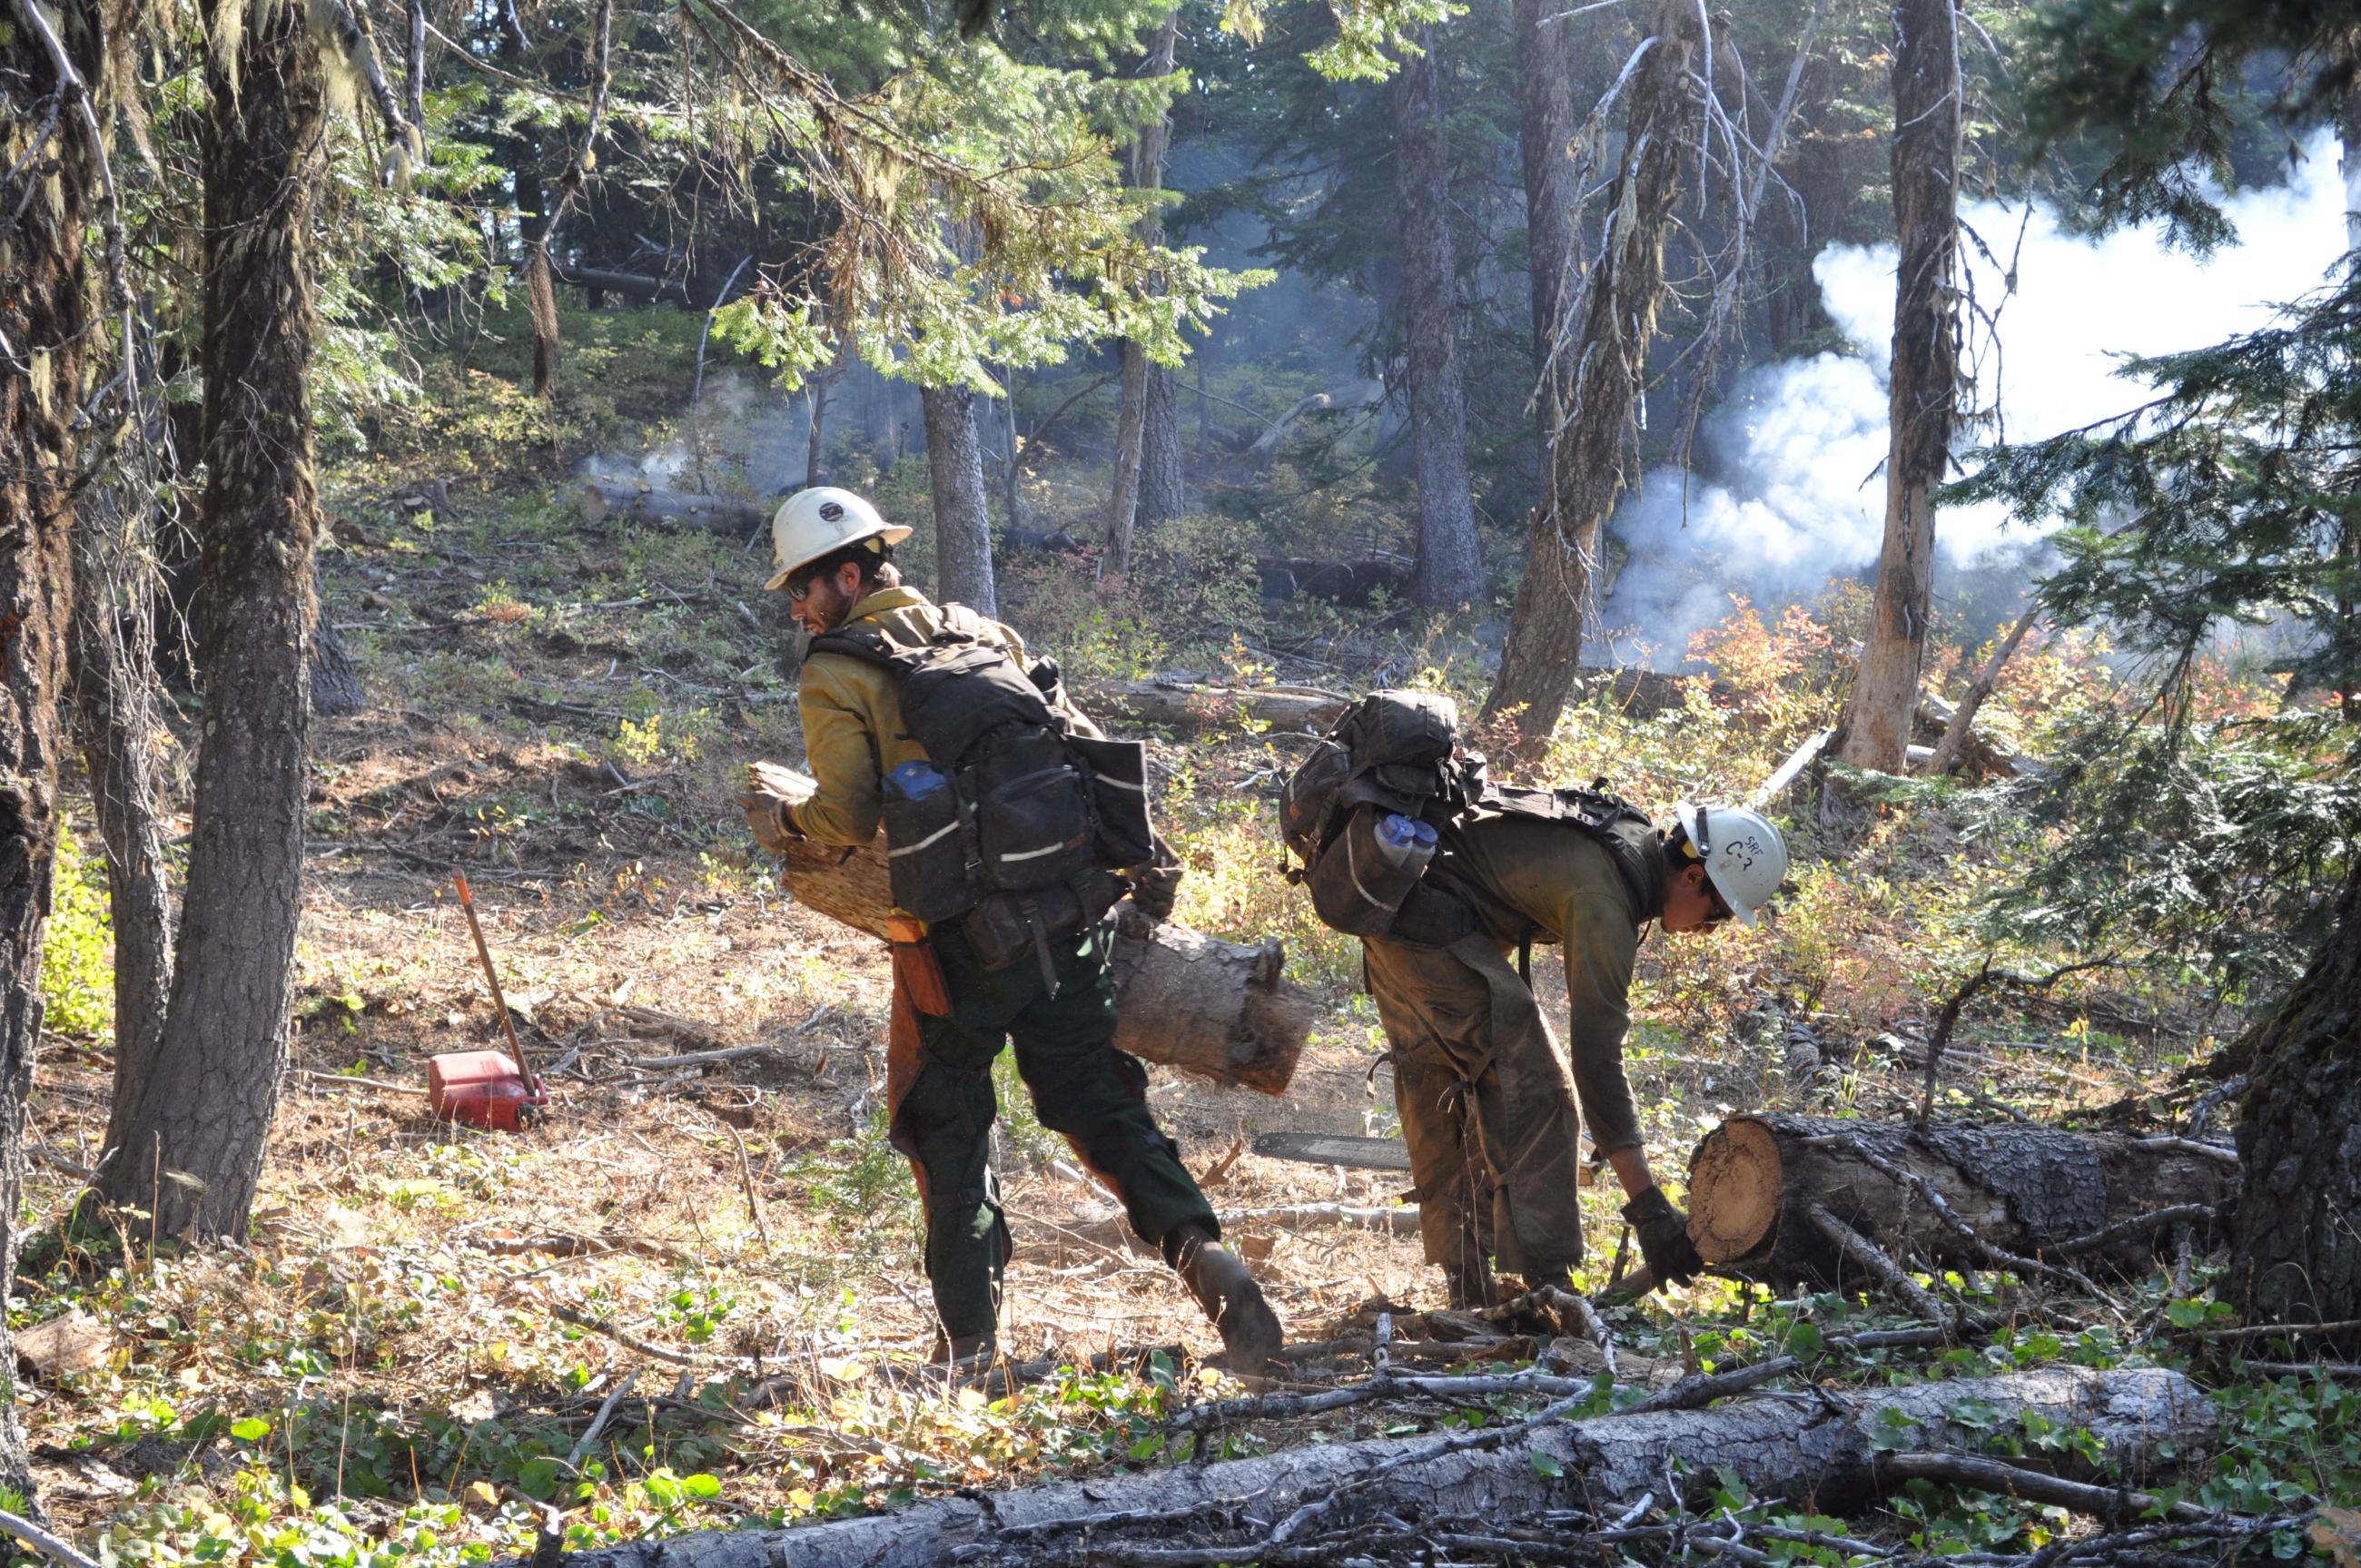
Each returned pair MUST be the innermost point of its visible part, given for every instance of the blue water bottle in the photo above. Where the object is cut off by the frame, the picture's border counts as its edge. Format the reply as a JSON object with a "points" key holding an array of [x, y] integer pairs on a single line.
{"points": [[1406, 843], [914, 780]]}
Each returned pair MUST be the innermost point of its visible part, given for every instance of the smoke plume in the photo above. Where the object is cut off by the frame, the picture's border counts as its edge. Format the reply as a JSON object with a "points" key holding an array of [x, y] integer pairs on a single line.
{"points": [[1790, 493]]}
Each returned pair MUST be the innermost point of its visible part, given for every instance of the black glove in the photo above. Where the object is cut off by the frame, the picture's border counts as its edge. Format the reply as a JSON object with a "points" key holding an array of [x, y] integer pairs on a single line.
{"points": [[1664, 1237], [1153, 888]]}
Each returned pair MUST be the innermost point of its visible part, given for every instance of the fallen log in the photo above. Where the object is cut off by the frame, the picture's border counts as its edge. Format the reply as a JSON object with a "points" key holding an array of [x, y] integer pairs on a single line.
{"points": [[1191, 704], [1827, 1449], [638, 501], [1221, 1010], [2028, 1190], [1344, 581]]}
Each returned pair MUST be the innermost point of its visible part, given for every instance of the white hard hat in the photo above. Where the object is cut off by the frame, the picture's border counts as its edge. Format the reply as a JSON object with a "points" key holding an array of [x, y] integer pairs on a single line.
{"points": [[815, 523], [1744, 856]]}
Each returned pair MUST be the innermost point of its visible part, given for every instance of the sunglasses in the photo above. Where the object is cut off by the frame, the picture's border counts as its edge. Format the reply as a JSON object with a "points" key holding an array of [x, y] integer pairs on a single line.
{"points": [[800, 586]]}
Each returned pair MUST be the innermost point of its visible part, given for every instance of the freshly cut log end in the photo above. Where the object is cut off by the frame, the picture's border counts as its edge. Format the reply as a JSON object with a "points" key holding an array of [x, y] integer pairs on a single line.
{"points": [[1734, 1186], [1221, 1010], [2022, 1190]]}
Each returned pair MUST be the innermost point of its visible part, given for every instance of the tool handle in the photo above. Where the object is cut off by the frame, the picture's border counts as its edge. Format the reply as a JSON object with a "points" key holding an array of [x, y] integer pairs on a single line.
{"points": [[499, 1002]]}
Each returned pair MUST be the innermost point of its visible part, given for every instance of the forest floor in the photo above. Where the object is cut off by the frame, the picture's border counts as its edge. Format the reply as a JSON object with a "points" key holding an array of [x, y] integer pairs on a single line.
{"points": [[692, 1296]]}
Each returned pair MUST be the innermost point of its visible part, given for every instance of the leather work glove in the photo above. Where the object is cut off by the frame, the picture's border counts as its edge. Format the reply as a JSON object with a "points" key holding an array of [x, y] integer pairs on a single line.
{"points": [[1664, 1237], [768, 814], [1154, 890]]}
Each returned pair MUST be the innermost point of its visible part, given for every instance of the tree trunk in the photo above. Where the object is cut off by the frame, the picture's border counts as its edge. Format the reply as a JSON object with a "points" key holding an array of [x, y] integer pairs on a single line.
{"points": [[1163, 486], [2025, 1190], [336, 688], [1922, 391], [1450, 569], [1546, 123], [45, 305], [1826, 1450], [118, 695], [192, 1135], [1147, 173], [2295, 1256], [963, 517], [1613, 319], [1130, 435], [816, 438], [1184, 1000]]}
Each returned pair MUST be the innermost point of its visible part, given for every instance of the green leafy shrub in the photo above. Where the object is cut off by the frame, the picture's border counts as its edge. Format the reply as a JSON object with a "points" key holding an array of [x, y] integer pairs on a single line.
{"points": [[78, 949]]}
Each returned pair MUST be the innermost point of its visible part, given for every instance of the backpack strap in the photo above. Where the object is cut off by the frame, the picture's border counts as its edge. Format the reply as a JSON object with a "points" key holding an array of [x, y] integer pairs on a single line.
{"points": [[866, 642]]}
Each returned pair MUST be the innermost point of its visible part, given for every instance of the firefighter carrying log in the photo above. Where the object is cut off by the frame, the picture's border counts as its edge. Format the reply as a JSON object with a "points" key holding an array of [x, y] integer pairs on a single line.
{"points": [[1012, 828], [1445, 875]]}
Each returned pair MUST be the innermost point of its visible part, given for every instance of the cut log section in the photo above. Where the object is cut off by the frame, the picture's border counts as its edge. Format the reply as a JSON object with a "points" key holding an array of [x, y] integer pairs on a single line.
{"points": [[1187, 705], [2028, 1190], [1220, 1010], [1827, 1449], [638, 501]]}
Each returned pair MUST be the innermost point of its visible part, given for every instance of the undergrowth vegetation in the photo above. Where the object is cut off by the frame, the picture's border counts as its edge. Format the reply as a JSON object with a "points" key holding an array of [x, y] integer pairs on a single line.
{"points": [[694, 1298]]}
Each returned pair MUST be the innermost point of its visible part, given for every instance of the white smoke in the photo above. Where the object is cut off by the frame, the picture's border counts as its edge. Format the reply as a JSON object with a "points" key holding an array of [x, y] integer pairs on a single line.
{"points": [[742, 434], [1791, 492]]}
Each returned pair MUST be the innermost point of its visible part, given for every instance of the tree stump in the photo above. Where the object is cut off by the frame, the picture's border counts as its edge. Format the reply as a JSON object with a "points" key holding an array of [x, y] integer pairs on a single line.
{"points": [[1221, 1010], [2026, 1189]]}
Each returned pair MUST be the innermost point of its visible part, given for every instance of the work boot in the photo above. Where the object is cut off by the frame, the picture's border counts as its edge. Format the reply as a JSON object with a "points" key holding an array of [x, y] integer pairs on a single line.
{"points": [[1472, 1286], [965, 1350], [1250, 1330]]}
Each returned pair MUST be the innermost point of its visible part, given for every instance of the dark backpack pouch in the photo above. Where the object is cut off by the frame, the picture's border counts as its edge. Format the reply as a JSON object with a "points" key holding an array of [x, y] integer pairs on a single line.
{"points": [[1118, 777], [927, 862], [1353, 888], [1000, 928]]}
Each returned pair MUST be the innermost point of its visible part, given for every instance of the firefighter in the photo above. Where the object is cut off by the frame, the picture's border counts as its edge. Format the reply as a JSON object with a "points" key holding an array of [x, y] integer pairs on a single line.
{"points": [[832, 555], [1492, 1107]]}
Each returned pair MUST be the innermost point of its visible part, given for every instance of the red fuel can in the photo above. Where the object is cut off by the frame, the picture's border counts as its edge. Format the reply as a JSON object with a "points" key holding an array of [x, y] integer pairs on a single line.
{"points": [[483, 1088]]}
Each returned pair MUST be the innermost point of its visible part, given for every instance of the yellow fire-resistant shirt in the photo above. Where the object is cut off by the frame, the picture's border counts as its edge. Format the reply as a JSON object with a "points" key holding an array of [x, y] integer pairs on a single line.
{"points": [[853, 734]]}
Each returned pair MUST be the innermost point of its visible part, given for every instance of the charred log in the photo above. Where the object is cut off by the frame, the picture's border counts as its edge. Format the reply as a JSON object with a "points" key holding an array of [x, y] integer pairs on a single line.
{"points": [[1183, 705], [599, 499], [1345, 582]]}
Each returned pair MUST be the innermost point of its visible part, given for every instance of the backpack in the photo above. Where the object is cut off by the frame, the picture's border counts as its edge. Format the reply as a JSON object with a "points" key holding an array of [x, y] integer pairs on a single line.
{"points": [[1396, 753], [1393, 755], [1013, 824]]}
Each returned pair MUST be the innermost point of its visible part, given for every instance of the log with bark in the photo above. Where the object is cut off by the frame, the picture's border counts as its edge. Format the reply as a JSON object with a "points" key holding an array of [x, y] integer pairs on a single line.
{"points": [[1345, 582], [1191, 704], [1831, 1449], [2030, 1191], [1220, 1010], [638, 501]]}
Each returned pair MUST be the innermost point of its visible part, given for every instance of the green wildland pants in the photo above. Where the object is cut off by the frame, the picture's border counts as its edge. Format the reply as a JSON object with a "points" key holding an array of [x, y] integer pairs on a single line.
{"points": [[1487, 1105], [1082, 1087]]}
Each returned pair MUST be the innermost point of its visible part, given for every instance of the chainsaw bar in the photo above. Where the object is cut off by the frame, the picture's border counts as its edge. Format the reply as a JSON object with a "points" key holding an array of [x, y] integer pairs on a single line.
{"points": [[1334, 1149]]}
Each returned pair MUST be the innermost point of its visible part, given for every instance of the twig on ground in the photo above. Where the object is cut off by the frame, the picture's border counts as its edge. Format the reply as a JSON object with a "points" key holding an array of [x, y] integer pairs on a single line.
{"points": [[598, 1422], [2138, 1224], [1884, 1269], [42, 1541], [2109, 1503], [661, 1353]]}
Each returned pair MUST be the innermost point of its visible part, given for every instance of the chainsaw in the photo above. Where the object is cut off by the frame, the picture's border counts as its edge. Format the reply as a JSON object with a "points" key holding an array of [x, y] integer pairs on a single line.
{"points": [[1369, 1154], [1392, 1154]]}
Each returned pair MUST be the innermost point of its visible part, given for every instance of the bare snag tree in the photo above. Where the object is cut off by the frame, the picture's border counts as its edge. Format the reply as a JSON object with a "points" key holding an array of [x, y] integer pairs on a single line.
{"points": [[1603, 335], [1450, 569], [186, 1139], [1923, 389]]}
